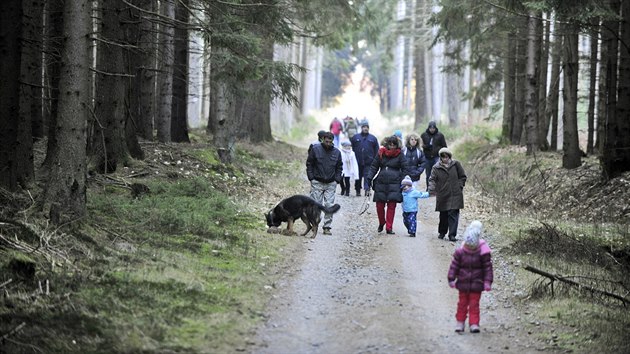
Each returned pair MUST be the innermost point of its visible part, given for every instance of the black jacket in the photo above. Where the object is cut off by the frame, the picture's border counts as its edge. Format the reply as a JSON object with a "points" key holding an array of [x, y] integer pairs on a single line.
{"points": [[391, 171], [432, 143], [324, 165]]}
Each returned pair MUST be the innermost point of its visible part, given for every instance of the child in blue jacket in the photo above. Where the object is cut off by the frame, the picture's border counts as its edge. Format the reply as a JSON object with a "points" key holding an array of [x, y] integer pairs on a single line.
{"points": [[410, 204]]}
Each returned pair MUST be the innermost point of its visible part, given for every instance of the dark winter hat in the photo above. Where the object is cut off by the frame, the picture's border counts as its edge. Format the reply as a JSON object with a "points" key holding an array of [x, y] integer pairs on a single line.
{"points": [[364, 123], [406, 181], [432, 124], [445, 150], [472, 234]]}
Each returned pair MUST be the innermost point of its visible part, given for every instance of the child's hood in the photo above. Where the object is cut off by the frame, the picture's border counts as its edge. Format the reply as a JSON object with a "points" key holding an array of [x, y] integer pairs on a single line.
{"points": [[483, 248]]}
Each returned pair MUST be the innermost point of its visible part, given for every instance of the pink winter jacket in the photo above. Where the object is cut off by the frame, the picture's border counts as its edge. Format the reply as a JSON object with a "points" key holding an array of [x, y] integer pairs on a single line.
{"points": [[471, 269]]}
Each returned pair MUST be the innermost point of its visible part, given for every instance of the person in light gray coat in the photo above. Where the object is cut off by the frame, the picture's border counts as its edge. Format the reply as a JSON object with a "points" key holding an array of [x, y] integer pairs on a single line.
{"points": [[446, 183]]}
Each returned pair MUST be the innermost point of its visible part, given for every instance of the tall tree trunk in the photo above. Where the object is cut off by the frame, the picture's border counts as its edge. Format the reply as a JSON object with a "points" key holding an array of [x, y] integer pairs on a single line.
{"points": [[618, 146], [224, 137], [509, 64], [551, 114], [453, 98], [421, 110], [520, 83], [34, 35], [65, 191], [179, 112], [590, 145], [542, 88], [532, 75], [165, 79], [108, 146], [602, 94], [10, 57], [256, 109], [142, 33], [571, 157], [610, 40], [53, 47]]}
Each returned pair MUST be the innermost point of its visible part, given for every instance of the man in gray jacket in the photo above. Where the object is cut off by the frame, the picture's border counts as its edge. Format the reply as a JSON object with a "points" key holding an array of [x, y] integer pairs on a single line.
{"points": [[323, 168]]}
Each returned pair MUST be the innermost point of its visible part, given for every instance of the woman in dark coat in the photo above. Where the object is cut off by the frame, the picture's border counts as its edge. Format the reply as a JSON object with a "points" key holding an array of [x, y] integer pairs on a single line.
{"points": [[446, 183], [387, 171]]}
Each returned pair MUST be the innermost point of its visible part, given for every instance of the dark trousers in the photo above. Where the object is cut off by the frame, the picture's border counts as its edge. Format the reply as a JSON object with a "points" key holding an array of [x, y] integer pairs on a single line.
{"points": [[357, 183], [449, 220], [345, 186]]}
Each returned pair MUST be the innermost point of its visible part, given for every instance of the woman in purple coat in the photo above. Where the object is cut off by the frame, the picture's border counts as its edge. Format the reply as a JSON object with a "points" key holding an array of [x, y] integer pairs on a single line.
{"points": [[471, 273]]}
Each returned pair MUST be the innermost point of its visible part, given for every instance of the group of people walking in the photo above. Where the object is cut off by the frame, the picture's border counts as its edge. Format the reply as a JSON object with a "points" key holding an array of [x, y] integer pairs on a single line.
{"points": [[391, 170]]}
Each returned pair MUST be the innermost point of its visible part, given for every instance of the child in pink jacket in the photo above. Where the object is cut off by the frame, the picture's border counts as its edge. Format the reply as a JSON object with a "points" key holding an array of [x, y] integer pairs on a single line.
{"points": [[471, 273]]}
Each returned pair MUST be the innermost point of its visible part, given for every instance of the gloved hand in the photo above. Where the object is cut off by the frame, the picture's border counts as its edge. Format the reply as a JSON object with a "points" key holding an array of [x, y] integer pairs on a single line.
{"points": [[487, 286], [451, 284], [425, 195]]}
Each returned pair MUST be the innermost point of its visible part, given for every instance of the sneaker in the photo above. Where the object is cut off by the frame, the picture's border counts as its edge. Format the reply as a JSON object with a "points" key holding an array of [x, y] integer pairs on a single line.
{"points": [[327, 231], [380, 227], [390, 232], [412, 235], [474, 328], [459, 327], [441, 236]]}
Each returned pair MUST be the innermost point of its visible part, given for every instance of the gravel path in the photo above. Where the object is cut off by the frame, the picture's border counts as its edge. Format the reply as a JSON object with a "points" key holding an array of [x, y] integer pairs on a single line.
{"points": [[359, 291]]}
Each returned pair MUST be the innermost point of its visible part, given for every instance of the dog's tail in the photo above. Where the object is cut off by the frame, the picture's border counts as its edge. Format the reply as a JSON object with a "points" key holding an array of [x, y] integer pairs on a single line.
{"points": [[333, 209]]}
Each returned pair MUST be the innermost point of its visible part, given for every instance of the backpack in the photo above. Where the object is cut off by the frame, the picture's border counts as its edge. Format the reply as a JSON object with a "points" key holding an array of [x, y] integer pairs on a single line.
{"points": [[350, 126]]}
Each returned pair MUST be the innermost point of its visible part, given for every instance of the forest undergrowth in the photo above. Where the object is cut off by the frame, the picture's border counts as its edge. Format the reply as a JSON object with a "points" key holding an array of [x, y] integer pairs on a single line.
{"points": [[173, 255]]}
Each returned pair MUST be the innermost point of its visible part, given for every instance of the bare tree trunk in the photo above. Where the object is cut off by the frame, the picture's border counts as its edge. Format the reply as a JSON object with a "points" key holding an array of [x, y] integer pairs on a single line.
{"points": [[551, 115], [108, 147], [571, 157], [421, 111], [165, 79], [542, 89], [54, 40], [34, 35], [224, 138], [509, 61], [10, 57], [65, 191], [616, 158], [602, 94], [531, 96], [256, 105], [520, 83], [179, 110], [142, 32], [592, 86]]}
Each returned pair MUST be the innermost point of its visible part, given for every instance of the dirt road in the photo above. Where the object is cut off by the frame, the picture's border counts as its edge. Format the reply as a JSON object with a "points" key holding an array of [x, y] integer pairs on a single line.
{"points": [[359, 291]]}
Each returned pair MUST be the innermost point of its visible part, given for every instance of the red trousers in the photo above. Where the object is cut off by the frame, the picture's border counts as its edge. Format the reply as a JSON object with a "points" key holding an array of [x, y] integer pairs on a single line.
{"points": [[388, 219], [468, 304]]}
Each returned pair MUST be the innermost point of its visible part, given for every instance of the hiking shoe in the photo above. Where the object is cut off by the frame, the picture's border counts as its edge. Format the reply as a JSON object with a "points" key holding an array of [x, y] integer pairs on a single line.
{"points": [[390, 232], [380, 227], [412, 235], [474, 328], [358, 193], [452, 238], [459, 327], [441, 236], [327, 231]]}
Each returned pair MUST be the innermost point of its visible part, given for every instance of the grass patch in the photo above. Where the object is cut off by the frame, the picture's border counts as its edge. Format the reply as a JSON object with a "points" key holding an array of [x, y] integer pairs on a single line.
{"points": [[184, 268]]}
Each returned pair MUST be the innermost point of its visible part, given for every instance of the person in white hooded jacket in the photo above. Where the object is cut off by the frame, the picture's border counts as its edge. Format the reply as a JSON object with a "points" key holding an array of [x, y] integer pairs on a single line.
{"points": [[350, 170]]}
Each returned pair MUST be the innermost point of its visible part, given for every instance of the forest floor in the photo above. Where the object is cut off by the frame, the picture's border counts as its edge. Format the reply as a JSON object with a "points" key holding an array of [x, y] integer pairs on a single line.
{"points": [[356, 291]]}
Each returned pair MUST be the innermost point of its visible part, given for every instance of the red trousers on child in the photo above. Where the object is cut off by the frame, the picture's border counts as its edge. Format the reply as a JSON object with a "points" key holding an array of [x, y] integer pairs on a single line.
{"points": [[388, 219], [468, 304]]}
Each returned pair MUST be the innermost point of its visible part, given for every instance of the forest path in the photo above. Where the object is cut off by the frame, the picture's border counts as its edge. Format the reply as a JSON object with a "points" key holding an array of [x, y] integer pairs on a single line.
{"points": [[359, 291]]}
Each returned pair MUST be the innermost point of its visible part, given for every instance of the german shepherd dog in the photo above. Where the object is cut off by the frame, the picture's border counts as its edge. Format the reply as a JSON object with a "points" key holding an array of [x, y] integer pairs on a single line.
{"points": [[298, 206]]}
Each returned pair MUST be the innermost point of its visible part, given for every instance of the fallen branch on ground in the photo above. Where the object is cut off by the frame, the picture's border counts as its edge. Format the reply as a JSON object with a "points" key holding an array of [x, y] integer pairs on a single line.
{"points": [[554, 277]]}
